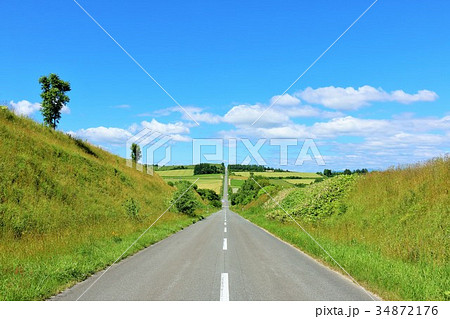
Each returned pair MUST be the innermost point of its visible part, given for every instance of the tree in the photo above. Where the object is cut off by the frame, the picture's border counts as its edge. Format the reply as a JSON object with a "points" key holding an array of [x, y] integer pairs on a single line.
{"points": [[327, 172], [54, 98], [136, 153], [347, 172]]}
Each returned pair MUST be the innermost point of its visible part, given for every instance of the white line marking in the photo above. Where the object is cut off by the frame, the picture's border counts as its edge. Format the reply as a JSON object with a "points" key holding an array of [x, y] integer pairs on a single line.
{"points": [[225, 230], [224, 292], [225, 223], [224, 244]]}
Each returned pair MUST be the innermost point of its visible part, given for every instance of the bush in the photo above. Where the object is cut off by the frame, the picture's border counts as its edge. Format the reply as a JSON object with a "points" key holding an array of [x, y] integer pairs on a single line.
{"points": [[249, 190], [211, 196], [184, 198], [320, 200]]}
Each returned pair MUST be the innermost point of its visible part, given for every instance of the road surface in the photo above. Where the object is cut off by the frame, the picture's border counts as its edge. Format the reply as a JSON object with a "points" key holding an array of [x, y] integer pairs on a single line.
{"points": [[223, 257]]}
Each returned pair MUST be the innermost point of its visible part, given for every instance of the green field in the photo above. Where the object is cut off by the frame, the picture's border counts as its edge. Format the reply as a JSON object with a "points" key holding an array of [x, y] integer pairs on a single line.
{"points": [[280, 174], [69, 209], [236, 182], [276, 178]]}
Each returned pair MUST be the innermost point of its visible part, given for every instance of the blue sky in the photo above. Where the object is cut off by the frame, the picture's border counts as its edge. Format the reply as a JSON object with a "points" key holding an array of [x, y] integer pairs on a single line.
{"points": [[379, 97]]}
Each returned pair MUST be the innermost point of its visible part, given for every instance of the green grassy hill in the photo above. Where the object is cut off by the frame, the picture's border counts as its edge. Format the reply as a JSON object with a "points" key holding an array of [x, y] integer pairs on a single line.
{"points": [[390, 230], [68, 209]]}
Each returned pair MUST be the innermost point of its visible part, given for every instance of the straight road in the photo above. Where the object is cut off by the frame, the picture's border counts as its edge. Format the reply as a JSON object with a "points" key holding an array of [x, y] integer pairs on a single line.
{"points": [[224, 257]]}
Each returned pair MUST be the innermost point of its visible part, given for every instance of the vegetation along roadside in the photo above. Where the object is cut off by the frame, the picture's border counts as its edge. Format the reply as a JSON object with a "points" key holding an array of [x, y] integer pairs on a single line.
{"points": [[389, 230]]}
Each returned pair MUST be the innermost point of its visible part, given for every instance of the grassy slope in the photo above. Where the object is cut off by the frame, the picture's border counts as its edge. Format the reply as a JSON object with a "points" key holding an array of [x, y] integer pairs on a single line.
{"points": [[62, 213], [390, 230]]}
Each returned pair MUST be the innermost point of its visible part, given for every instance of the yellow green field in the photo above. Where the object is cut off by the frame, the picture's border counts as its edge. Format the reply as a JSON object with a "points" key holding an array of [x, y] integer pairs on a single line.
{"points": [[176, 172], [279, 174], [276, 178], [207, 181], [296, 181]]}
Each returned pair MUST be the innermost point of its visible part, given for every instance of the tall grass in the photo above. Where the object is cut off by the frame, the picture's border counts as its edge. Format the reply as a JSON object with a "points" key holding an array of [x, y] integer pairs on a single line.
{"points": [[390, 230], [68, 209]]}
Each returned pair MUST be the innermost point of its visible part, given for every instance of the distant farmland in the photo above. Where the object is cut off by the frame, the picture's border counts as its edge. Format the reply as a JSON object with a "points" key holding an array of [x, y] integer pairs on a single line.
{"points": [[283, 179], [280, 174], [207, 181]]}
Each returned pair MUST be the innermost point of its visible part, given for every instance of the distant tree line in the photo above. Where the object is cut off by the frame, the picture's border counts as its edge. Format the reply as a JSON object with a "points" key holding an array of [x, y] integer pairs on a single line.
{"points": [[330, 173], [252, 168], [206, 168], [178, 167]]}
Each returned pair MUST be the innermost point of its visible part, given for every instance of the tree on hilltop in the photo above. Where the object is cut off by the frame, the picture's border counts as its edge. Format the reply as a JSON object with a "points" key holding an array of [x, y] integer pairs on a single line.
{"points": [[54, 98]]}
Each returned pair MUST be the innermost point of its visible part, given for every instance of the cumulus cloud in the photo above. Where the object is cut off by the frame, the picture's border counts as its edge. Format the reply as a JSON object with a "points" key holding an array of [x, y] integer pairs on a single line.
{"points": [[27, 108], [118, 137], [352, 99], [65, 110], [426, 130], [379, 143], [103, 135], [245, 115], [286, 99], [350, 126], [24, 107], [188, 113], [169, 128]]}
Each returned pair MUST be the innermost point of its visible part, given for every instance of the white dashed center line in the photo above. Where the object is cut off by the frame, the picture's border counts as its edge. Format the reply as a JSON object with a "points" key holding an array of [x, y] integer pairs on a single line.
{"points": [[225, 230], [224, 293], [224, 244]]}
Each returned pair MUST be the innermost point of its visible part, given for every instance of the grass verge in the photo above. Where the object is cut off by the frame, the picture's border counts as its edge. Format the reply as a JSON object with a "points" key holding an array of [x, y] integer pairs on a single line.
{"points": [[389, 278]]}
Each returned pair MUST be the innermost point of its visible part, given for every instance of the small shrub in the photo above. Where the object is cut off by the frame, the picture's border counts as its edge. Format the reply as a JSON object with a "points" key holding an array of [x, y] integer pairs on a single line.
{"points": [[184, 197]]}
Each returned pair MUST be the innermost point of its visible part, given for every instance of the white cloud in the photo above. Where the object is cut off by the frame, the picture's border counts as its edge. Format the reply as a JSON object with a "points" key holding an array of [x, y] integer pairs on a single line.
{"points": [[169, 128], [351, 99], [65, 110], [350, 126], [198, 115], [286, 99], [245, 115], [122, 106], [114, 136], [25, 107], [103, 135], [188, 113]]}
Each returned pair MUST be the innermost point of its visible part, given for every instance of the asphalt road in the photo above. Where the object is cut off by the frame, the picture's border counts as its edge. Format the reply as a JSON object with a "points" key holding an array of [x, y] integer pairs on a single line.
{"points": [[223, 257]]}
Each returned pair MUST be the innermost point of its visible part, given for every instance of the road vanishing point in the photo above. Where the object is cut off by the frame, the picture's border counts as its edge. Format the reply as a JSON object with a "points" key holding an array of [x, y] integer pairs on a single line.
{"points": [[224, 257]]}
